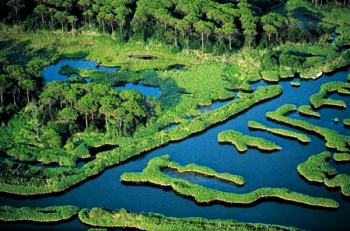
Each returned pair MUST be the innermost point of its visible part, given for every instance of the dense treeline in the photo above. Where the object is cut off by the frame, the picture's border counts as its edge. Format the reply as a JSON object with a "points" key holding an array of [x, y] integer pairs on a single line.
{"points": [[216, 26]]}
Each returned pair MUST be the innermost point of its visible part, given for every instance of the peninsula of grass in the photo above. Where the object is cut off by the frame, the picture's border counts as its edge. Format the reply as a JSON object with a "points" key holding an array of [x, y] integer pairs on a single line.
{"points": [[342, 181], [281, 132], [48, 214], [68, 70], [316, 168], [153, 174], [99, 217], [346, 122], [208, 172], [307, 111], [21, 179], [333, 139], [320, 99], [341, 157], [242, 142], [295, 84]]}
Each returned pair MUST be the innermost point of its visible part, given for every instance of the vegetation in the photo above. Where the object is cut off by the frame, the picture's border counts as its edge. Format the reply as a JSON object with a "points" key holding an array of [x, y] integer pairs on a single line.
{"points": [[48, 214], [342, 181], [320, 99], [241, 142], [333, 139], [153, 174], [307, 110], [24, 179], [205, 171], [341, 157], [122, 218], [282, 132], [295, 84], [346, 122], [316, 169]]}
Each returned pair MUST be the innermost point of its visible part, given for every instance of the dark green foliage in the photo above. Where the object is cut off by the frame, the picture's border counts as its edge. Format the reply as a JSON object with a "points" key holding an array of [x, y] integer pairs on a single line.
{"points": [[48, 214], [21, 179], [241, 141], [122, 218], [341, 157], [153, 174], [320, 99], [307, 110], [316, 169], [333, 139]]}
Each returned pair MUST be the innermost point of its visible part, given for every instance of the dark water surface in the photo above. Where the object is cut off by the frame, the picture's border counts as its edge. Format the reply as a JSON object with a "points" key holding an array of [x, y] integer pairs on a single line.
{"points": [[277, 169]]}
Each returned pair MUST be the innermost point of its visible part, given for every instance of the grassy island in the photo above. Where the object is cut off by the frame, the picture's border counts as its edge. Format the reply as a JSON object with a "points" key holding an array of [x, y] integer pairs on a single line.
{"points": [[333, 139], [316, 168], [320, 99], [208, 172], [23, 181], [346, 122], [295, 84], [122, 218], [48, 214], [241, 142], [341, 157], [307, 110], [153, 174], [281, 132]]}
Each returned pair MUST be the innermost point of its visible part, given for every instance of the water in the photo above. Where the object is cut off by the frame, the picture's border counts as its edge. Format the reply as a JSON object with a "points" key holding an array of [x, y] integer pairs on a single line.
{"points": [[277, 169], [50, 73], [146, 90]]}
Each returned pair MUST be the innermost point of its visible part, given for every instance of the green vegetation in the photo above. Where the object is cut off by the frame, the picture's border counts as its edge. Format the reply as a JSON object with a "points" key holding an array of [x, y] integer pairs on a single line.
{"points": [[342, 181], [22, 179], [153, 174], [205, 171], [282, 132], [333, 139], [241, 142], [346, 122], [341, 157], [122, 218], [307, 110], [316, 169], [48, 214], [68, 70], [295, 84], [320, 99]]}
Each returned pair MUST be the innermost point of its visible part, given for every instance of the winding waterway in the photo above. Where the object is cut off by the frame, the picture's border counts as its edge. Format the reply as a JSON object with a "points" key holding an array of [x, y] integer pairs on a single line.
{"points": [[278, 169]]}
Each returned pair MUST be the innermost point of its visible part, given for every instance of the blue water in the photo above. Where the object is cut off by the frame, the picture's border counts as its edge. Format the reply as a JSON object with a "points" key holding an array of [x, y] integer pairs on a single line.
{"points": [[50, 73], [277, 169], [146, 90]]}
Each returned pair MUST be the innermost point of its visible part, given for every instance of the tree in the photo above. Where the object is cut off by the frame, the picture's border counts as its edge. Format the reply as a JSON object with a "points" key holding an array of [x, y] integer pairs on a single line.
{"points": [[110, 18], [89, 14], [276, 20], [35, 113], [5, 83], [72, 20], [230, 30], [84, 5], [28, 85], [16, 5], [87, 105], [121, 13], [269, 29], [41, 10], [67, 115], [62, 17], [250, 33], [204, 28], [52, 12], [107, 110]]}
